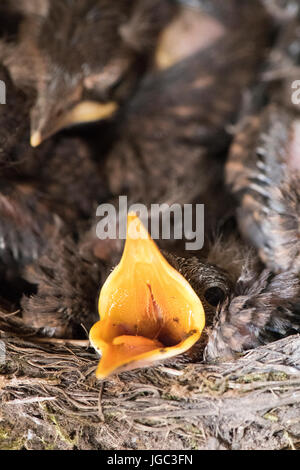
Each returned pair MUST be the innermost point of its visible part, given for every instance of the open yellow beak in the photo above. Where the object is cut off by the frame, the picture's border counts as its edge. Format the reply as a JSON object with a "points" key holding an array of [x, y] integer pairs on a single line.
{"points": [[148, 311]]}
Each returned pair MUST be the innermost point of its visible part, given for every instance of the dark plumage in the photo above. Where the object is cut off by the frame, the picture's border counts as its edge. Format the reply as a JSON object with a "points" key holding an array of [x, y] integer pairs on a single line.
{"points": [[263, 171], [182, 113], [67, 171], [34, 182], [14, 127], [262, 307], [67, 280], [246, 305], [41, 200], [26, 224]]}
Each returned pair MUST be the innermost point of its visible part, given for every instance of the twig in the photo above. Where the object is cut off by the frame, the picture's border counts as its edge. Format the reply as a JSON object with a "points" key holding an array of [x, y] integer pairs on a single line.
{"points": [[100, 409], [25, 401], [82, 343]]}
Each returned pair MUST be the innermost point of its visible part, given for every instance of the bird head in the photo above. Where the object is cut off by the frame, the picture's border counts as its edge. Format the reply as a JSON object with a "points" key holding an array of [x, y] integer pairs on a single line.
{"points": [[148, 310], [86, 58], [62, 106]]}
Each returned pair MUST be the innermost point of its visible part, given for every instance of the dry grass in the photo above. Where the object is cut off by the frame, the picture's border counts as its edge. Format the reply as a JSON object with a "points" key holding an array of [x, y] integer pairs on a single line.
{"points": [[50, 399]]}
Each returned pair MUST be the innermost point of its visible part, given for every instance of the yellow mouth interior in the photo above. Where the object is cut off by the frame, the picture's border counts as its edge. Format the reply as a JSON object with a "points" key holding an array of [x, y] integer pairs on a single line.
{"points": [[148, 311]]}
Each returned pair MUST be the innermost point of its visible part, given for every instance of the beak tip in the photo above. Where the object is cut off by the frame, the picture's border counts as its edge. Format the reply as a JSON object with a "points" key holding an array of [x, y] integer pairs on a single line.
{"points": [[35, 139], [100, 376]]}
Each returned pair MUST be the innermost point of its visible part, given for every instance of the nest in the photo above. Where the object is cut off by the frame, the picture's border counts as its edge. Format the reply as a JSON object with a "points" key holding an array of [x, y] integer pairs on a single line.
{"points": [[50, 398]]}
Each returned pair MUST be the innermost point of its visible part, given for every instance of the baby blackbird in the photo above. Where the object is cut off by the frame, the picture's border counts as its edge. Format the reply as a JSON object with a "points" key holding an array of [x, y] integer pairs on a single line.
{"points": [[245, 305], [26, 224], [262, 307], [44, 197], [264, 173], [263, 169], [42, 190], [82, 56]]}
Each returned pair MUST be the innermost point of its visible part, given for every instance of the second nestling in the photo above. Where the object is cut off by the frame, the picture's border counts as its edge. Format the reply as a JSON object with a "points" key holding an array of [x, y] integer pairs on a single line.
{"points": [[79, 76]]}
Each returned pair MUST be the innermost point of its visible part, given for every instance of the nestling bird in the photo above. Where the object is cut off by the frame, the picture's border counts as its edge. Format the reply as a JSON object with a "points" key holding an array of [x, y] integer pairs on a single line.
{"points": [[148, 311], [263, 169], [34, 182], [143, 306], [25, 222], [264, 173], [82, 57]]}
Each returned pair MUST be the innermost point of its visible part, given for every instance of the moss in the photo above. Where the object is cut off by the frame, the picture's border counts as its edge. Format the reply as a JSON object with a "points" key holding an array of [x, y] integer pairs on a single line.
{"points": [[194, 436], [267, 377], [9, 443], [3, 435], [271, 417], [168, 396], [59, 433], [49, 445]]}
